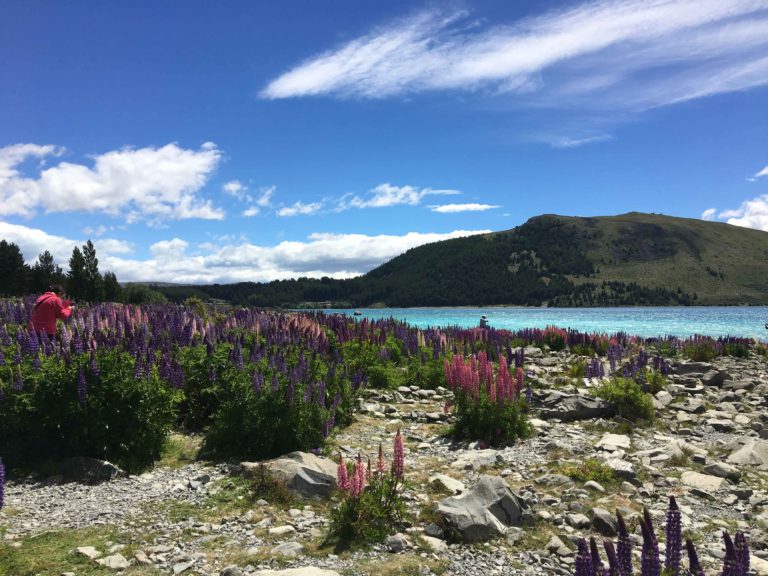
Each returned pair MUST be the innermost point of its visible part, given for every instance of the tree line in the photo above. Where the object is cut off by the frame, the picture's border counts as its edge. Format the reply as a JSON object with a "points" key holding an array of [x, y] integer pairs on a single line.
{"points": [[83, 282]]}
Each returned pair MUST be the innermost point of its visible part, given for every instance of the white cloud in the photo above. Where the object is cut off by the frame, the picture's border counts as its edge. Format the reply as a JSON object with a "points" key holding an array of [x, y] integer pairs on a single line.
{"points": [[751, 214], [637, 53], [708, 214], [386, 194], [265, 196], [299, 208], [252, 211], [577, 141], [235, 188], [452, 208], [333, 255], [33, 241], [763, 172], [153, 184]]}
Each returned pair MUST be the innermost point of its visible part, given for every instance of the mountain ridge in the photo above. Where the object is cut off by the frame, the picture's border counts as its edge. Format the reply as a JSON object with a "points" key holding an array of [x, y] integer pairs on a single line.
{"points": [[554, 260]]}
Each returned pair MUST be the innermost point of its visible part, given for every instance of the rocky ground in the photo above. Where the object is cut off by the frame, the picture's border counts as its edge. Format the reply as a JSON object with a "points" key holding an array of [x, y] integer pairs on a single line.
{"points": [[708, 446]]}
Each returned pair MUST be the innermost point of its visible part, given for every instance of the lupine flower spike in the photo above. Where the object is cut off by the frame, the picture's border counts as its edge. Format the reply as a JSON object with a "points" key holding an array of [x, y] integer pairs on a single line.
{"points": [[341, 474], [624, 546], [650, 562], [381, 465], [694, 568], [398, 458], [2, 484], [583, 559], [674, 538]]}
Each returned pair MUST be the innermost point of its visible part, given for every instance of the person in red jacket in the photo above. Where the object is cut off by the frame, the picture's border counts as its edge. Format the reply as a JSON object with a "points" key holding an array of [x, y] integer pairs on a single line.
{"points": [[49, 308]]}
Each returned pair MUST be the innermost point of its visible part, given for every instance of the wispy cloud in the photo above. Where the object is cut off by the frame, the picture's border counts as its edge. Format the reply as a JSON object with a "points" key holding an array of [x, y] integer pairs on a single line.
{"points": [[576, 141], [709, 214], [175, 260], [625, 53], [385, 195], [453, 208], [152, 184], [300, 208], [763, 172]]}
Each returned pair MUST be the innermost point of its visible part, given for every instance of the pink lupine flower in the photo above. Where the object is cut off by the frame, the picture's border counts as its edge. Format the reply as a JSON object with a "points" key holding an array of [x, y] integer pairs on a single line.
{"points": [[398, 458], [380, 463], [341, 474]]}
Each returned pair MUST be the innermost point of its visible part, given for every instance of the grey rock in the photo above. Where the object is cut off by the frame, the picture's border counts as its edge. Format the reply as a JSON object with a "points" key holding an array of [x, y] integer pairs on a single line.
{"points": [[752, 452], [435, 544], [613, 442], [89, 470], [445, 482], [713, 378], [288, 549], [181, 567], [604, 522], [567, 407], [577, 520], [723, 470], [232, 570], [622, 469], [398, 543], [305, 473], [701, 481], [88, 551], [483, 512], [303, 571], [114, 562], [686, 368], [475, 459]]}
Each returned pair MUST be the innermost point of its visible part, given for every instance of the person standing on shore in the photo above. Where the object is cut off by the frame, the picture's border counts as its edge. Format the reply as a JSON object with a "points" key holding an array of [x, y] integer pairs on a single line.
{"points": [[49, 308]]}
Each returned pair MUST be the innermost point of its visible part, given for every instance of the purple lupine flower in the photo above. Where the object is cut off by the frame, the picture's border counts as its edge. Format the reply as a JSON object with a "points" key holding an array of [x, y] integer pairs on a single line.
{"points": [[18, 379], [731, 564], [614, 568], [583, 559], [2, 484], [651, 563], [597, 563], [95, 368], [742, 552], [82, 387], [398, 457], [36, 363], [674, 539], [257, 382], [694, 568]]}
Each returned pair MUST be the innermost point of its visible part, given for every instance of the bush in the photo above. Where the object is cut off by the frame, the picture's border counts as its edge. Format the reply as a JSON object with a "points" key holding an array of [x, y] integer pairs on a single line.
{"points": [[90, 407], [495, 423], [628, 398], [700, 350], [577, 370], [372, 507], [735, 349], [590, 469]]}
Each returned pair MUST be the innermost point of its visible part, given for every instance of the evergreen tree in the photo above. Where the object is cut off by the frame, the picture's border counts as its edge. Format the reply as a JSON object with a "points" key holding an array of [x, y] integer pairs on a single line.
{"points": [[112, 290], [44, 273], [76, 278], [93, 281], [13, 270]]}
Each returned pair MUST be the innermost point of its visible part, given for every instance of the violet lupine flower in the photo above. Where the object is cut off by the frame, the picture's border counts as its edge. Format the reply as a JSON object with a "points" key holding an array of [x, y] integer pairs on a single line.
{"points": [[18, 380], [694, 568], [674, 537], [597, 563], [624, 546], [2, 484], [82, 387], [583, 559], [651, 563], [731, 564], [398, 457], [742, 552], [342, 479], [614, 568]]}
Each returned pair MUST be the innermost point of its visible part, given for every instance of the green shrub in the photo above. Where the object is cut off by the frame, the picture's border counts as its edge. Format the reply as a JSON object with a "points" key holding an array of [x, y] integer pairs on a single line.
{"points": [[107, 414], [735, 349], [577, 370], [654, 380], [666, 349], [702, 351], [628, 398], [589, 469], [495, 423], [582, 350]]}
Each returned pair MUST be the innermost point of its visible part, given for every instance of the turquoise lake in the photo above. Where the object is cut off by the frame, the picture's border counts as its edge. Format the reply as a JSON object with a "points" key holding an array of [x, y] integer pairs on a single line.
{"points": [[748, 321]]}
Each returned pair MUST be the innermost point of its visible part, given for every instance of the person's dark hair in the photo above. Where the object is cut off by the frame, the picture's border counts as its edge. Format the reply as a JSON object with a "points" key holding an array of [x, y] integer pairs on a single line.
{"points": [[56, 288]]}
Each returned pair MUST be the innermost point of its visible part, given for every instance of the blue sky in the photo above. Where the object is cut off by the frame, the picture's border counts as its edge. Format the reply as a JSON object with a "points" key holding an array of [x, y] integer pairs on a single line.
{"points": [[215, 142]]}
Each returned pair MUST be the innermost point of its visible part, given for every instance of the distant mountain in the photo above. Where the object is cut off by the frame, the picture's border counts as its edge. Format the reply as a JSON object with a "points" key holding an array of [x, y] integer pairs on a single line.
{"points": [[631, 259]]}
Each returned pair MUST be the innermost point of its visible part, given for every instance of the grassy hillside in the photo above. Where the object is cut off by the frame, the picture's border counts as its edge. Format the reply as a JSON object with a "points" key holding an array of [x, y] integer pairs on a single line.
{"points": [[631, 259]]}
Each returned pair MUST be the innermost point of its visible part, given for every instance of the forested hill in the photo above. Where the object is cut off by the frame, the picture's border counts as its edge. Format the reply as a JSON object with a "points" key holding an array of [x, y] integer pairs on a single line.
{"points": [[631, 259]]}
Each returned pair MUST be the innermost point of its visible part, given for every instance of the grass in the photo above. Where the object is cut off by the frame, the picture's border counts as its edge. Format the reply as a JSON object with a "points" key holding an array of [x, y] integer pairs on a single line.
{"points": [[53, 552], [179, 450], [398, 565], [590, 469]]}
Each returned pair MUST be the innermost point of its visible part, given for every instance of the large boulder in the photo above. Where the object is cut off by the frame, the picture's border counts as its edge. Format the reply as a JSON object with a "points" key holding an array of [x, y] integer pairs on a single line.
{"points": [[305, 473], [89, 470], [567, 407], [752, 451], [487, 510]]}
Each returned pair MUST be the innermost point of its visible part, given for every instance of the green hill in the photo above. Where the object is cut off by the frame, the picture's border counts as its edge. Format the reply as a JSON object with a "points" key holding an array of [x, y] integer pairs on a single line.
{"points": [[631, 259]]}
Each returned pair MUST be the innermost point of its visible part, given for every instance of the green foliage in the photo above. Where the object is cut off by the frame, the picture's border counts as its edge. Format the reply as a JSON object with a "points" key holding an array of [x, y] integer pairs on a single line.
{"points": [[370, 517], [555, 339], [429, 374], [13, 270], [654, 380], [735, 349], [265, 486], [700, 351], [582, 350], [577, 370], [495, 423], [666, 349], [628, 398], [589, 469], [142, 294], [121, 419]]}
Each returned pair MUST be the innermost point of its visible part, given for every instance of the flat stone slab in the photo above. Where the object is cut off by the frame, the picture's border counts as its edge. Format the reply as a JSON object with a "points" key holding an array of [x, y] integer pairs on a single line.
{"points": [[613, 442], [445, 482], [305, 571], [701, 481], [752, 452], [475, 460], [114, 562]]}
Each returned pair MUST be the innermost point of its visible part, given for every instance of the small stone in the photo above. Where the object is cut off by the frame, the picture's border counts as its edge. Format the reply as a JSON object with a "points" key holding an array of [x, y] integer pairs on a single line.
{"points": [[89, 552], [282, 530], [592, 485], [182, 567], [398, 543], [701, 481], [288, 549], [232, 570], [114, 562]]}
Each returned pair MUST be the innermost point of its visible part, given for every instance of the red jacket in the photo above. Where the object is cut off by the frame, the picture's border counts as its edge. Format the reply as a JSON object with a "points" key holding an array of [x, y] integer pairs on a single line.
{"points": [[49, 308]]}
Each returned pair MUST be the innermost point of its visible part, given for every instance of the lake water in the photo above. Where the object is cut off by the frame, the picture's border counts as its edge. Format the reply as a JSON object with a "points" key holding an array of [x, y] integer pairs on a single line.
{"points": [[748, 321]]}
